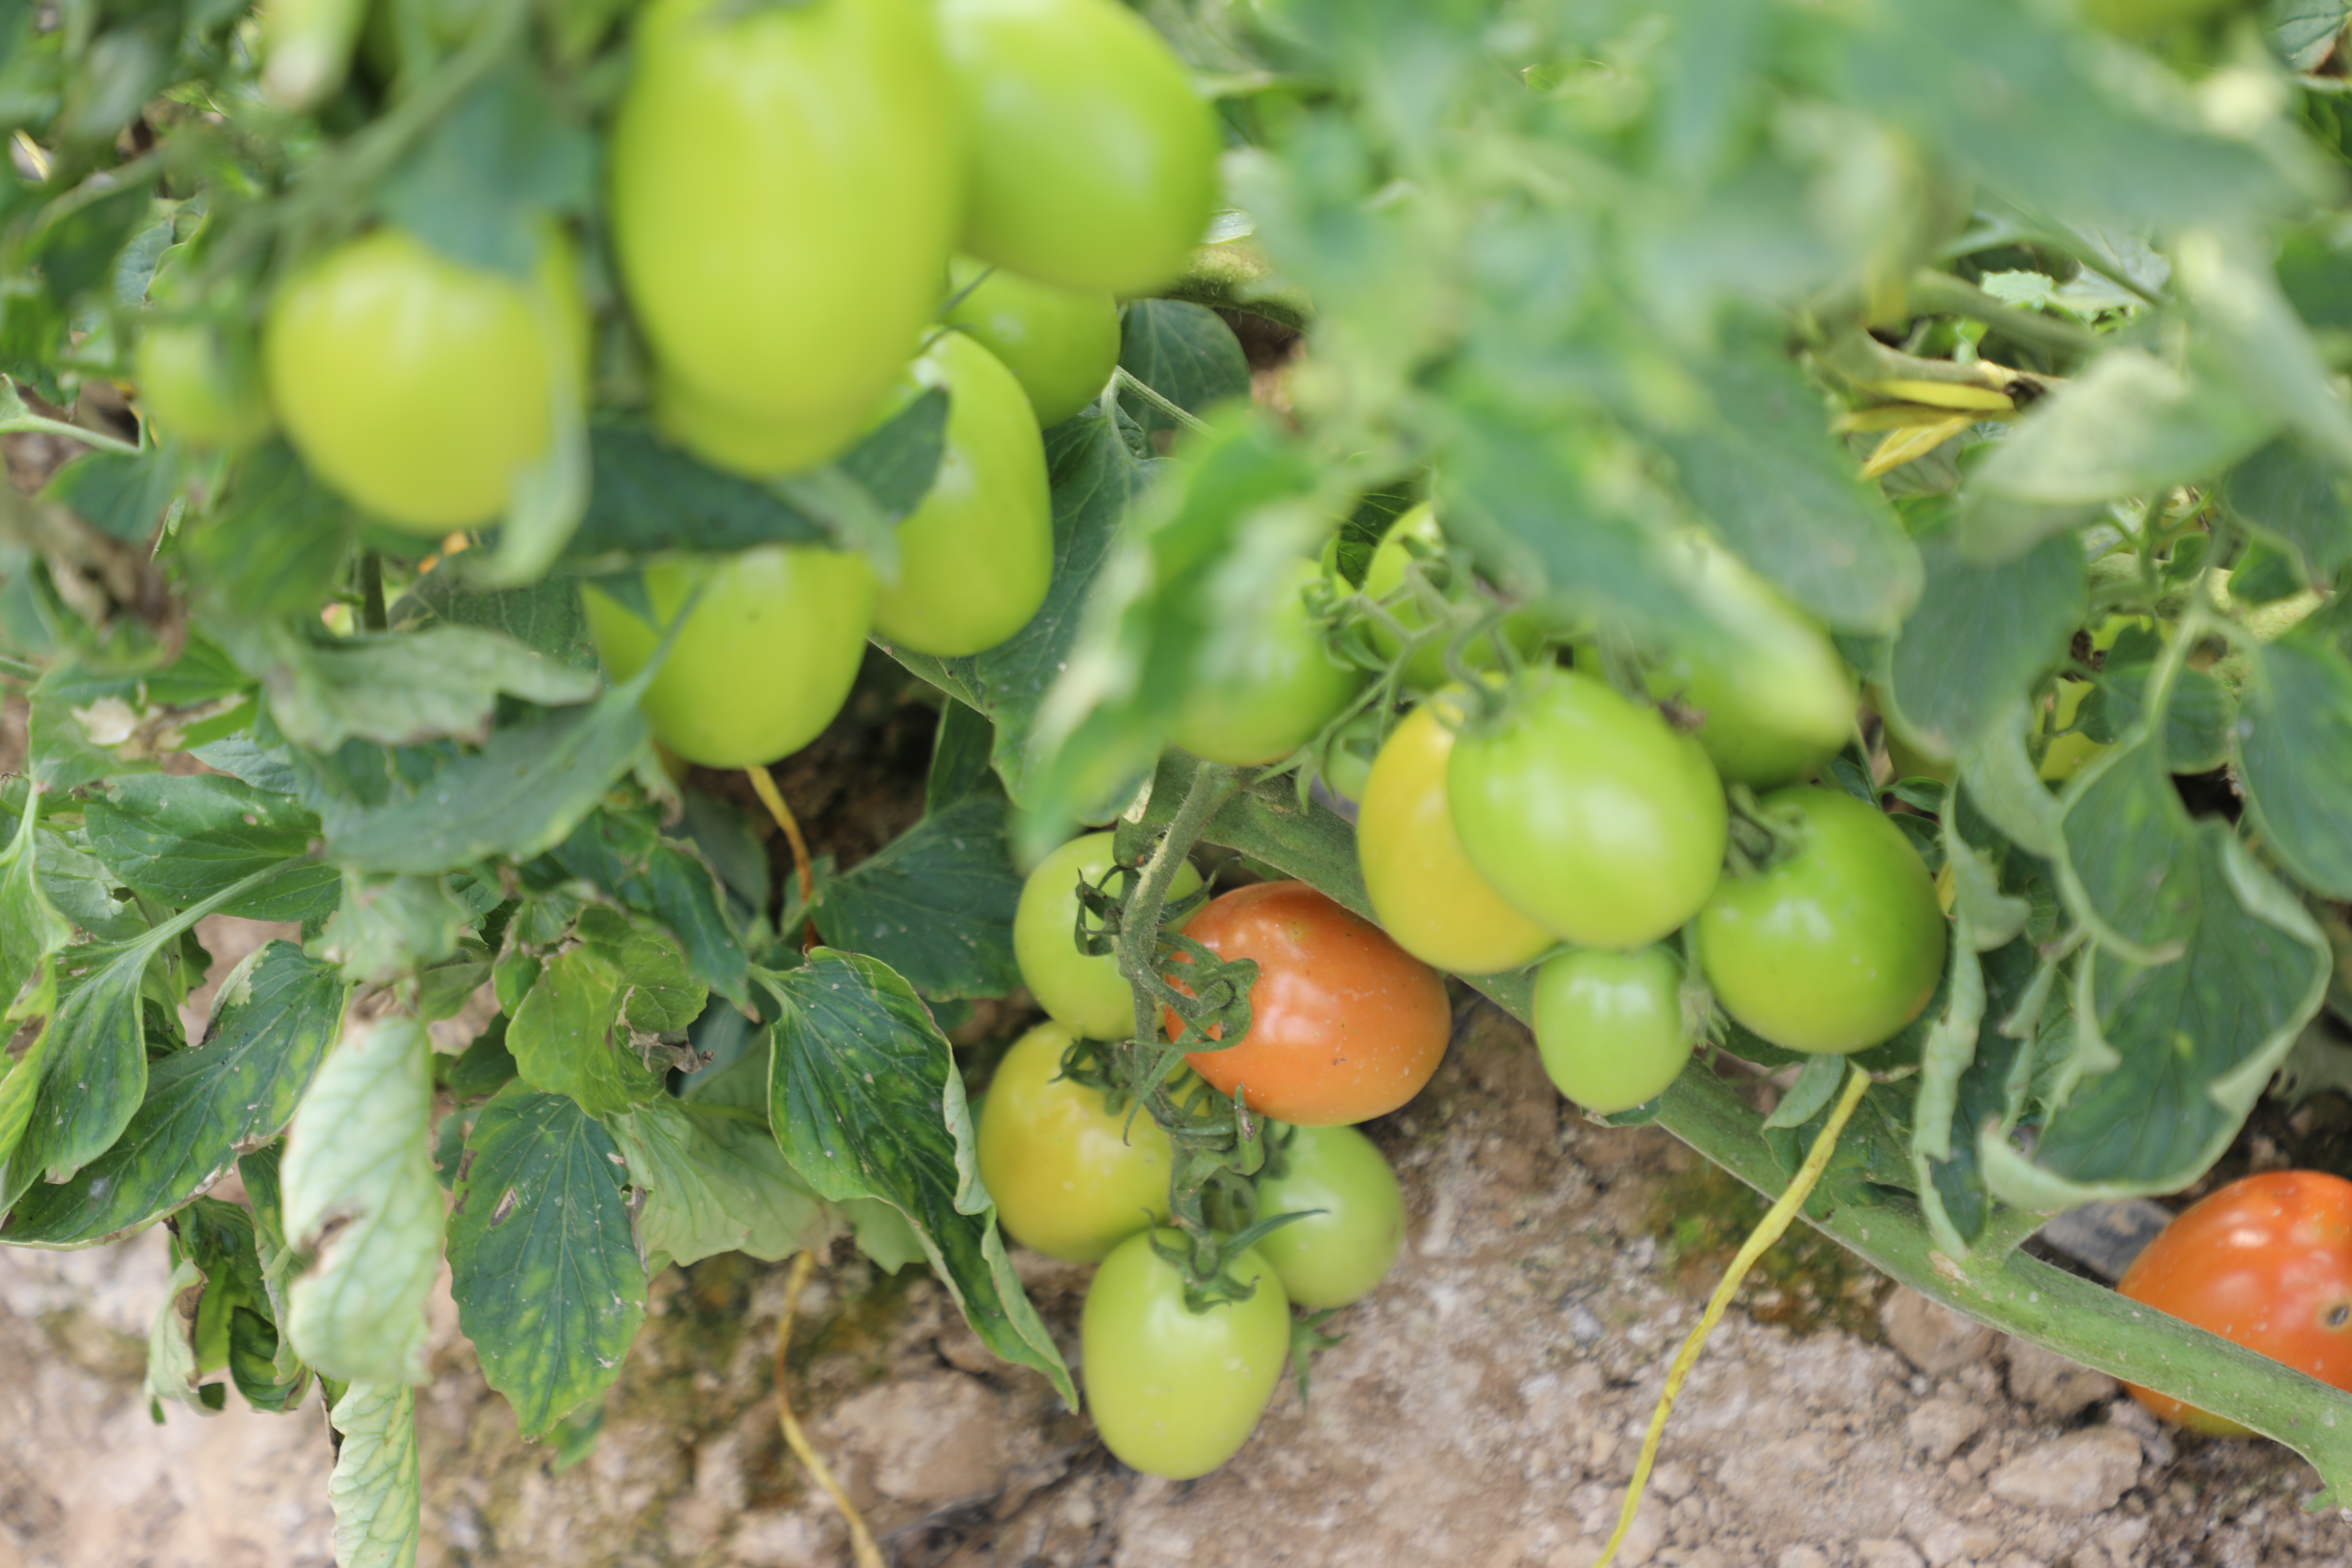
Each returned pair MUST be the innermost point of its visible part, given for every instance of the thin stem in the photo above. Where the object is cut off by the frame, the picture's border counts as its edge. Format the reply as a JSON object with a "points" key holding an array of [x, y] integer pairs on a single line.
{"points": [[17, 670], [1120, 377], [372, 609], [1139, 933], [764, 786], [30, 423], [861, 1542]]}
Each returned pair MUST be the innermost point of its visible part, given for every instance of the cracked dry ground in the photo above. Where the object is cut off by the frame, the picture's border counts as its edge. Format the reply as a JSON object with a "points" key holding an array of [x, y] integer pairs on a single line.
{"points": [[1484, 1410]]}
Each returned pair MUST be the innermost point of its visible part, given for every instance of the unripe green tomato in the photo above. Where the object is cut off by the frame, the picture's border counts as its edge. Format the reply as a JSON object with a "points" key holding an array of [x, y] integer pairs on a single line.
{"points": [[976, 556], [420, 387], [1425, 891], [1427, 671], [764, 662], [1589, 812], [1346, 766], [1610, 1026], [1176, 1393], [1070, 1180], [1084, 992], [1092, 161], [1062, 344], [1776, 699], [201, 385], [783, 193], [1331, 1258], [1275, 691]]}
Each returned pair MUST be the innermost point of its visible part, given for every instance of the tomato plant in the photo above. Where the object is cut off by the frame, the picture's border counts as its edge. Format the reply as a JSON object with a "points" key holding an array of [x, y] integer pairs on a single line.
{"points": [[1340, 1252], [2264, 1262], [1344, 1024], [1176, 1393], [1587, 813], [1084, 992], [1611, 1025], [1275, 691], [1835, 947], [1426, 669], [1424, 889], [1062, 344], [1070, 1179], [976, 556], [418, 386]]}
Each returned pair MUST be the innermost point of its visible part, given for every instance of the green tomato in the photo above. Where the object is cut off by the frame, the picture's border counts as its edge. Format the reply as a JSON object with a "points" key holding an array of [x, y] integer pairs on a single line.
{"points": [[1276, 690], [1589, 812], [421, 388], [1776, 699], [1092, 161], [1385, 575], [1062, 344], [1082, 991], [1070, 1180], [1836, 947], [1346, 766], [1425, 891], [1331, 1258], [1610, 1026], [1176, 1393], [783, 194], [765, 661], [976, 556], [201, 386]]}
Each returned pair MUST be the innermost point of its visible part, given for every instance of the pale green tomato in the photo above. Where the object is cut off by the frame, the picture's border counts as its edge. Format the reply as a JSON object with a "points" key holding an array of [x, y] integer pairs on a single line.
{"points": [[1082, 991], [1062, 344], [1275, 691], [765, 661], [201, 385], [976, 556], [1385, 575], [1331, 1258], [1092, 161], [783, 194], [1610, 1026], [420, 387], [1070, 1180]]}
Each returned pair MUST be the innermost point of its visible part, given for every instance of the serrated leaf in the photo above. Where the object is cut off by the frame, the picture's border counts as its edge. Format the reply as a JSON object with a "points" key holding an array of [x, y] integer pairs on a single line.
{"points": [[866, 1103], [624, 854], [2129, 426], [548, 1280], [2294, 750], [387, 928], [376, 1489], [716, 1181], [1183, 352], [182, 840], [1981, 636], [361, 1197], [572, 1034], [401, 691], [544, 616], [936, 904], [271, 1022]]}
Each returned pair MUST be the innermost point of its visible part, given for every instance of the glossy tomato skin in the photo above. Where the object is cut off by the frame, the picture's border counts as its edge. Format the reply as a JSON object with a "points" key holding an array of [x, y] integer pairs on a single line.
{"points": [[1588, 812], [1427, 671], [1344, 1024], [1610, 1026], [1084, 992], [1835, 948], [1276, 693], [1062, 344], [782, 199], [1093, 164], [765, 662], [976, 555], [418, 386], [2266, 1263], [202, 386], [1177, 1393], [1070, 1180], [1339, 1256], [1424, 889]]}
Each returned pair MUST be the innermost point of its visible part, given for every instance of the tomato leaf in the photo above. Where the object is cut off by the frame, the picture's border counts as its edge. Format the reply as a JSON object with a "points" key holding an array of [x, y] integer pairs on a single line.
{"points": [[123, 494], [1964, 1084], [275, 546], [360, 1198], [80, 1081], [2128, 425], [715, 1181], [577, 1031], [2294, 750], [866, 1102], [271, 1023], [1980, 636], [548, 1280], [544, 616], [32, 930], [960, 752], [623, 854], [1183, 352], [184, 839], [936, 904], [480, 185], [376, 1489], [400, 691]]}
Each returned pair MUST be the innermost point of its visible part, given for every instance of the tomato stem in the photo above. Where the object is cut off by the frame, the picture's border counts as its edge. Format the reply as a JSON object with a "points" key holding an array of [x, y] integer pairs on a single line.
{"points": [[861, 1542], [764, 786]]}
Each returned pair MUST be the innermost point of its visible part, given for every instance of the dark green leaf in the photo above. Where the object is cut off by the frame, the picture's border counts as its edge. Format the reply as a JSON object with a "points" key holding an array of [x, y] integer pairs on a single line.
{"points": [[277, 543], [586, 1027], [1981, 636], [2199, 718], [184, 840], [895, 464], [866, 1103], [2296, 752], [119, 494], [546, 616], [80, 1082], [420, 685], [936, 904], [481, 185], [959, 754], [546, 1275], [76, 250], [623, 855], [1183, 352], [2297, 499]]}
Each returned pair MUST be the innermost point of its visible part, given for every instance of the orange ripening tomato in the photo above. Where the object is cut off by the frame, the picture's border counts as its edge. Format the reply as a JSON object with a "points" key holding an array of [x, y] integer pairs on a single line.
{"points": [[1344, 1024], [2266, 1263]]}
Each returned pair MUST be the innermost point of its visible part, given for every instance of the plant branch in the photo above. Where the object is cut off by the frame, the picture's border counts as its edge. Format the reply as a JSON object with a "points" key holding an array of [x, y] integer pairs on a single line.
{"points": [[861, 1542], [1122, 378]]}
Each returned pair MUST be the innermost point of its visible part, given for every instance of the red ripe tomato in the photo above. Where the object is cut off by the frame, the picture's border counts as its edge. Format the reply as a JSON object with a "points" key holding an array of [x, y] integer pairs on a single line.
{"points": [[1344, 1024], [2266, 1263]]}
